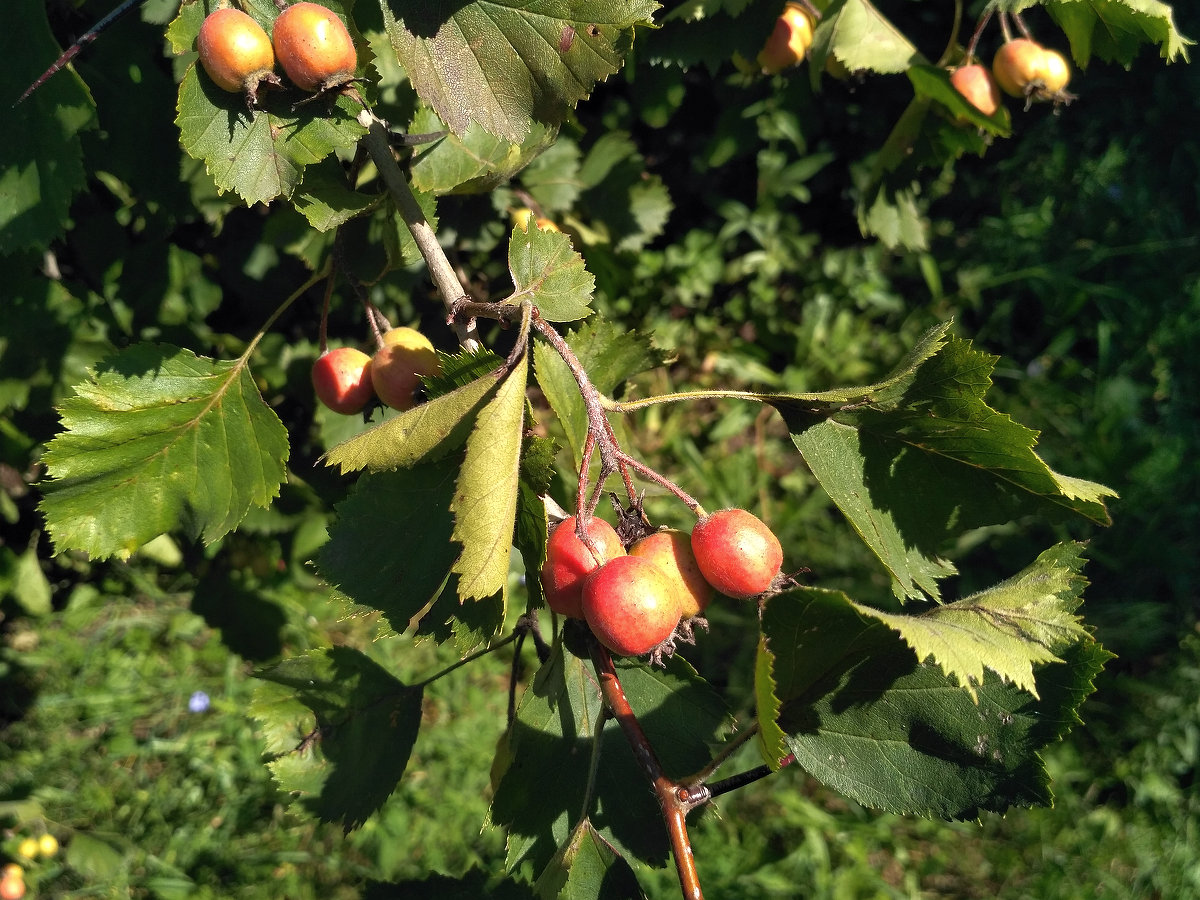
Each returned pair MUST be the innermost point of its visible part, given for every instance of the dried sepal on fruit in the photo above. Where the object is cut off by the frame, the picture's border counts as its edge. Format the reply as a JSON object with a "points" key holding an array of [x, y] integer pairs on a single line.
{"points": [[236, 53]]}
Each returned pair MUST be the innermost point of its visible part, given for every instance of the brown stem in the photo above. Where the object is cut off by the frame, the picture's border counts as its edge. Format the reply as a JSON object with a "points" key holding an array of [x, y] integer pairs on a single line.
{"points": [[451, 290], [674, 807], [978, 33]]}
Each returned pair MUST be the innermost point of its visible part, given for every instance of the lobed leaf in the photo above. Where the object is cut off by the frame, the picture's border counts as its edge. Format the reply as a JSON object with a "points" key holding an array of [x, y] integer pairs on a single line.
{"points": [[160, 439], [1115, 30], [547, 270], [506, 65], [863, 716], [1010, 628], [485, 501], [342, 728], [862, 38]]}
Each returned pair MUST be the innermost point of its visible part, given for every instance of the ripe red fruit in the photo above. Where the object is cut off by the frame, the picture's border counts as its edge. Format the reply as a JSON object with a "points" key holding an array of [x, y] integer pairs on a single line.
{"points": [[976, 84], [569, 561], [1017, 65], [738, 554], [236, 52], [397, 366], [314, 47], [671, 551], [789, 41], [12, 886], [630, 604], [342, 380]]}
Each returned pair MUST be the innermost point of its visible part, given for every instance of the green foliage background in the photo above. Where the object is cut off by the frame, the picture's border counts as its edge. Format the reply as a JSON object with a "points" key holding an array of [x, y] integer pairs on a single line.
{"points": [[1070, 249]]}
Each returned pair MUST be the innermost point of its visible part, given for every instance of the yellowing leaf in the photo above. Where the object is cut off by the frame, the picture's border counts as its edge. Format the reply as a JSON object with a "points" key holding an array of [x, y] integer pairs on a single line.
{"points": [[1010, 628]]}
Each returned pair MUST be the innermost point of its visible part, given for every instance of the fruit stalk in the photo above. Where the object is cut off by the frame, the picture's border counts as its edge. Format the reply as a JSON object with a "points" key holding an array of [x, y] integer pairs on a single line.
{"points": [[674, 807], [440, 269]]}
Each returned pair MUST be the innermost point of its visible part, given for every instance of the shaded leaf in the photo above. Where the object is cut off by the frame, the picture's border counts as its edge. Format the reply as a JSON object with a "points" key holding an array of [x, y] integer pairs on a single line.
{"points": [[160, 439], [391, 546], [587, 867], [342, 729], [1115, 30], [547, 271], [865, 718], [41, 171], [1008, 629], [324, 198], [498, 63], [485, 501]]}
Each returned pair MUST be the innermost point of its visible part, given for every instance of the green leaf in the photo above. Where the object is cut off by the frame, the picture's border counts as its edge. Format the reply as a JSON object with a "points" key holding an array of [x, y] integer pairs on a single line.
{"points": [[474, 161], [41, 159], [537, 473], [22, 578], [556, 721], [863, 39], [160, 439], [506, 65], [926, 458], [391, 545], [324, 198], [1115, 30], [342, 729], [587, 867], [865, 718], [553, 178], [424, 433], [894, 216], [1008, 629], [485, 502], [546, 270], [933, 82]]}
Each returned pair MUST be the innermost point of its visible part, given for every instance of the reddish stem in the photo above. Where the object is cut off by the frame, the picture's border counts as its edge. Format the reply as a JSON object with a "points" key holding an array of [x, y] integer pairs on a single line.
{"points": [[672, 797]]}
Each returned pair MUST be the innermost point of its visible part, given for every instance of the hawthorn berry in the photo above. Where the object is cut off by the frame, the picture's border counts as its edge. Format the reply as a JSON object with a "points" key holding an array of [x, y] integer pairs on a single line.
{"points": [[569, 561], [738, 554], [631, 605], [28, 848], [1055, 73], [977, 86], [12, 883], [1017, 65], [397, 366], [671, 551], [314, 47], [236, 52], [342, 380], [48, 844], [789, 41]]}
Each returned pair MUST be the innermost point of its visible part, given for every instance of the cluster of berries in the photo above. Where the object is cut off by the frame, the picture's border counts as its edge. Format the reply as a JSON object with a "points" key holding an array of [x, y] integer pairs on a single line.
{"points": [[12, 876], [1021, 68], [311, 42], [347, 379], [634, 599]]}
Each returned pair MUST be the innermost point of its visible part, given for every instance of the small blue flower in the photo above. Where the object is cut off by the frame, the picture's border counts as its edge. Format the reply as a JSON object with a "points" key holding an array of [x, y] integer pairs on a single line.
{"points": [[198, 702]]}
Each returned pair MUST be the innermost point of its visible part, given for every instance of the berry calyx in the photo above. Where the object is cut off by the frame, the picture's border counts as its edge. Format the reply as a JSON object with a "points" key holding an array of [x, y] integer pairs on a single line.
{"points": [[630, 604], [977, 87], [671, 551], [789, 41], [342, 380], [738, 554], [397, 366], [314, 47], [569, 562], [236, 52]]}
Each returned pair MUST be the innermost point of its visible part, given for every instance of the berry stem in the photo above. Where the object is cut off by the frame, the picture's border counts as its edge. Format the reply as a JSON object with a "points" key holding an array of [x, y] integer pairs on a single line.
{"points": [[674, 806], [948, 53], [978, 33], [378, 144]]}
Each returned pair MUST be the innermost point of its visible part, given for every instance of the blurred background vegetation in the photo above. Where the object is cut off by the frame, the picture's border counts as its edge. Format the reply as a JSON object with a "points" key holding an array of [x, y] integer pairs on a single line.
{"points": [[1072, 251]]}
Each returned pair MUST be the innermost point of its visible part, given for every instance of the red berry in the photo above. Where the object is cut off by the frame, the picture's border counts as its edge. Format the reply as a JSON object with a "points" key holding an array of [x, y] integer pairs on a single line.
{"points": [[976, 84], [738, 554], [397, 366], [789, 41], [568, 562], [342, 380], [12, 887], [631, 605], [1017, 65], [235, 51], [671, 551], [314, 47]]}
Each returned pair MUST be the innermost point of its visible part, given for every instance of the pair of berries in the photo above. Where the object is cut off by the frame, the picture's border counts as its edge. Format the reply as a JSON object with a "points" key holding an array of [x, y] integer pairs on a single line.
{"points": [[310, 41], [633, 600], [1021, 68], [346, 379]]}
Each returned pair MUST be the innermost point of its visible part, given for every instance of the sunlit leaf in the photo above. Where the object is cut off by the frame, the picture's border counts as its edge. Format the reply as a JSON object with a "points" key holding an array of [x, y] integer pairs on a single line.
{"points": [[485, 502], [862, 38], [547, 270], [506, 65], [1115, 30], [160, 439]]}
